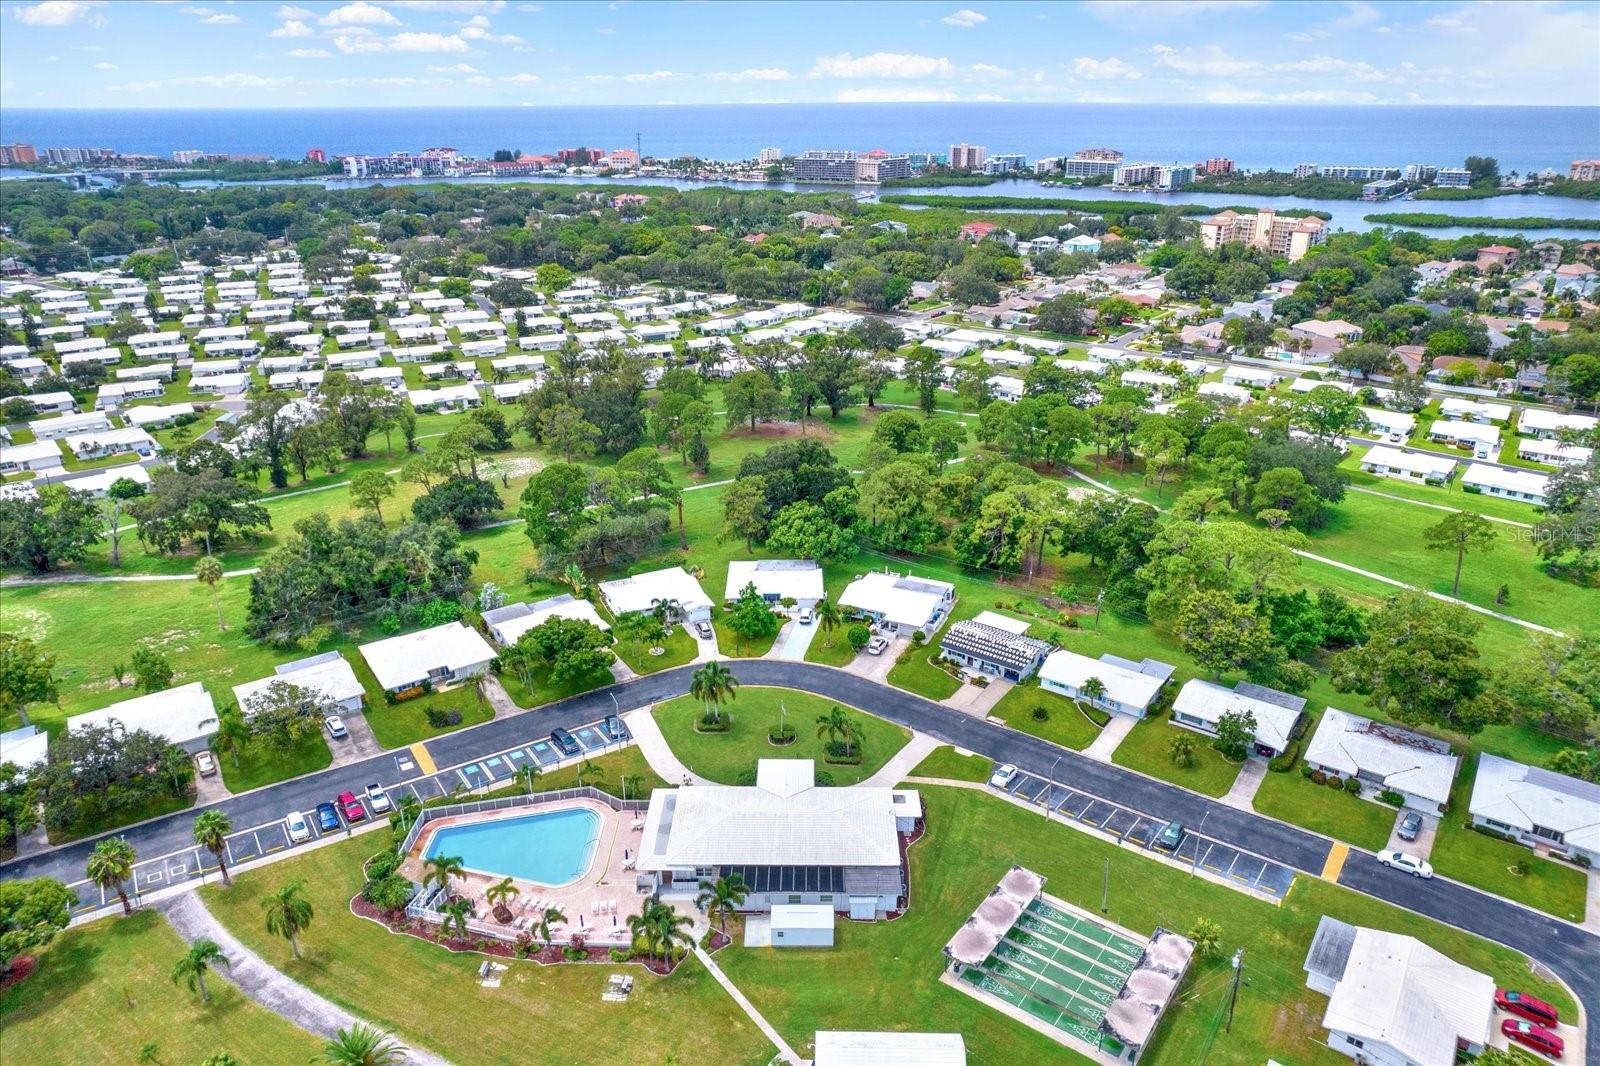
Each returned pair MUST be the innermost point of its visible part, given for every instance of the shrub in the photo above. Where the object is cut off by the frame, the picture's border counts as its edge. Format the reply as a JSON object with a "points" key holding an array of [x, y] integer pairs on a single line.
{"points": [[524, 945], [383, 864], [1318, 777], [439, 612], [785, 735], [440, 718], [389, 624], [620, 954], [1041, 714], [919, 637], [1522, 868], [824, 779], [1335, 781], [1306, 770], [389, 892], [708, 724], [858, 635], [707, 939], [1352, 786], [1391, 797]]}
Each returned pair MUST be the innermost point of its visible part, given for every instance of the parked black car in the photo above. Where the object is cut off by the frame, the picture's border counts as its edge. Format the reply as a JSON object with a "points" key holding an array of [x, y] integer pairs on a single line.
{"points": [[613, 728], [564, 742], [1410, 826]]}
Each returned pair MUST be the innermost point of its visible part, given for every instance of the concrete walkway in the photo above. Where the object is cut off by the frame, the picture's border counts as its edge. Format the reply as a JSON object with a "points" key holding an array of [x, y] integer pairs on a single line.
{"points": [[1591, 916], [1105, 745], [656, 751], [979, 700], [260, 982], [904, 761], [1243, 791], [785, 1052]]}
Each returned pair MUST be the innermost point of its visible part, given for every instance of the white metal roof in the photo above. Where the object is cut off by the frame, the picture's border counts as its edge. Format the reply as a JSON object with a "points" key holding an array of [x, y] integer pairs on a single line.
{"points": [[837, 1048], [181, 715], [1406, 761], [1413, 461], [333, 679], [1513, 793], [1209, 702], [798, 579], [1523, 481], [641, 592], [802, 916], [509, 628], [903, 600], [24, 747], [1127, 687], [401, 660]]}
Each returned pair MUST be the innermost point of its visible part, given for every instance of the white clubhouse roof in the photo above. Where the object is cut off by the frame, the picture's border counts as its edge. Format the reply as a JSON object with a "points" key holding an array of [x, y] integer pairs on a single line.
{"points": [[1406, 761], [1515, 794], [835, 1048], [1209, 702], [1398, 991], [329, 676], [508, 623], [181, 715], [796, 579], [641, 592], [401, 660], [1131, 688], [903, 600], [782, 820]]}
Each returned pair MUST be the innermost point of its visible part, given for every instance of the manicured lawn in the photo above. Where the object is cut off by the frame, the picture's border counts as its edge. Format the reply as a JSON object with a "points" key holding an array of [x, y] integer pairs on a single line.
{"points": [[725, 756], [1065, 725], [1147, 749], [737, 647], [885, 975], [1486, 862], [841, 654], [680, 648], [607, 773], [542, 691], [1321, 809], [915, 672], [262, 765], [163, 802], [104, 990], [404, 723], [431, 998], [944, 762]]}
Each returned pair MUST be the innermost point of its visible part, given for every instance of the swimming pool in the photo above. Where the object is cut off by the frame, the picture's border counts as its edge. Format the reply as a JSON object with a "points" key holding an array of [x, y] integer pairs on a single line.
{"points": [[549, 848]]}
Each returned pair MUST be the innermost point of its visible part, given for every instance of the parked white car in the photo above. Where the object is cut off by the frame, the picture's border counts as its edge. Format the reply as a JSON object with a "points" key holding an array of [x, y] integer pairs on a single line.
{"points": [[1411, 864], [378, 799], [1002, 775], [299, 829]]}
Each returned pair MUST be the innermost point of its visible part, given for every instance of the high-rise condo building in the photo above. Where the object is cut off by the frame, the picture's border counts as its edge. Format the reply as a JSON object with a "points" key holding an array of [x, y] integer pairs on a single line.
{"points": [[1291, 238]]}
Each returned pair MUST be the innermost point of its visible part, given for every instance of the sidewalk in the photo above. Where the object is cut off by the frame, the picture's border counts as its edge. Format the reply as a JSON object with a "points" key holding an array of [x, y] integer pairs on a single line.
{"points": [[904, 761], [1243, 791], [1106, 743], [785, 1052], [269, 987], [654, 747]]}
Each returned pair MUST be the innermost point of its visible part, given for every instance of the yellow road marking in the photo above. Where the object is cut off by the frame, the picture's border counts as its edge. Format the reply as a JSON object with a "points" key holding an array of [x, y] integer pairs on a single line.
{"points": [[275, 847], [419, 752], [1336, 856]]}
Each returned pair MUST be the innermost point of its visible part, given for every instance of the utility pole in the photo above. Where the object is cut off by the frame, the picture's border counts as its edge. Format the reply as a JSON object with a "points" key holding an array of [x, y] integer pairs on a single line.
{"points": [[1105, 887], [1233, 995], [1049, 783]]}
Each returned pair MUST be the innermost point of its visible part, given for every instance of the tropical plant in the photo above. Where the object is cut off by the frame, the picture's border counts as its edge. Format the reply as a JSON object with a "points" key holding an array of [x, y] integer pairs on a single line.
{"points": [[721, 898], [211, 829], [1207, 937], [362, 1045], [441, 868], [550, 916], [288, 913], [836, 725], [498, 894], [631, 784], [574, 577], [711, 684], [666, 611], [527, 774], [1093, 690], [1181, 750], [193, 967], [455, 913], [828, 618], [669, 927], [585, 768], [208, 571], [111, 866]]}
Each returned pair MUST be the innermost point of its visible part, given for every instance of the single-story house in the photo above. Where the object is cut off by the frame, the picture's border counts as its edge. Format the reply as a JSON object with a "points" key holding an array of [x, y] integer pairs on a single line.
{"points": [[838, 1048], [507, 624], [1395, 1001], [1410, 466], [445, 398], [1388, 423], [1482, 439], [1465, 410], [900, 604], [1384, 756], [98, 483], [68, 425], [1200, 706], [99, 444], [24, 747], [776, 580], [1004, 387], [1217, 390], [1537, 422], [1130, 687], [328, 676], [1542, 450], [40, 456], [790, 840], [1526, 486], [672, 584], [998, 647], [184, 716], [1537, 807], [1250, 377], [802, 925], [441, 655], [159, 414]]}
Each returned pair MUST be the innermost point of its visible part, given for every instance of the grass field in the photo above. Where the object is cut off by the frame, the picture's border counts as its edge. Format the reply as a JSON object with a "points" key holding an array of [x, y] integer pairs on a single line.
{"points": [[1065, 725], [1297, 799], [1146, 749], [943, 761], [754, 712], [431, 998], [737, 647], [1486, 862], [915, 672], [260, 765], [680, 648], [103, 991], [885, 975], [841, 654]]}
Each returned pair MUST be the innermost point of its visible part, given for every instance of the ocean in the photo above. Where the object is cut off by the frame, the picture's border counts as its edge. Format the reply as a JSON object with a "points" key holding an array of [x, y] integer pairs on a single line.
{"points": [[1522, 138]]}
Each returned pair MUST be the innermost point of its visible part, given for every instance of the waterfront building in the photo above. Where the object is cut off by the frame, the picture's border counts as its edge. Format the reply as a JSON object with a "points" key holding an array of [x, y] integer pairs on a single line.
{"points": [[1082, 166], [825, 164], [18, 153], [768, 156], [1580, 170], [882, 168], [1356, 173], [1452, 178], [1419, 172], [967, 156], [1288, 237]]}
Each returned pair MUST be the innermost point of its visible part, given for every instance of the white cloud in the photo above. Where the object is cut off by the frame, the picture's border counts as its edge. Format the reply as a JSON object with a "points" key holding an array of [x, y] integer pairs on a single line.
{"points": [[881, 65], [895, 94], [991, 98], [1109, 69], [359, 13], [451, 6], [354, 43], [764, 74], [477, 29], [56, 13], [289, 11], [292, 28], [1125, 11], [210, 17], [1210, 61], [105, 66], [454, 68], [989, 70], [1450, 24], [752, 74], [310, 53], [212, 81], [523, 78], [965, 19]]}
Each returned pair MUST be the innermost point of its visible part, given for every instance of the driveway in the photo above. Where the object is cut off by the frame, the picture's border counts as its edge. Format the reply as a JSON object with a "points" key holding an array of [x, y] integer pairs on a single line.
{"points": [[1423, 845], [359, 745], [979, 700], [792, 642], [210, 789], [705, 647], [877, 667]]}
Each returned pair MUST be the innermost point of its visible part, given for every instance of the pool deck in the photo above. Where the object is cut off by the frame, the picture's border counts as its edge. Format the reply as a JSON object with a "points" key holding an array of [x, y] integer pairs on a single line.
{"points": [[608, 879]]}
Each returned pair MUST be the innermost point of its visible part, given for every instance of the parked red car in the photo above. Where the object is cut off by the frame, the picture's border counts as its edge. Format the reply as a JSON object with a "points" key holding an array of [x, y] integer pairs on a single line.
{"points": [[1535, 1036], [1520, 1003], [351, 807]]}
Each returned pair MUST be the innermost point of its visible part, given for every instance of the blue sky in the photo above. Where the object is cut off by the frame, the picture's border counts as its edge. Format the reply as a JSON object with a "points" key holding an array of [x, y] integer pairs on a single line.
{"points": [[82, 53]]}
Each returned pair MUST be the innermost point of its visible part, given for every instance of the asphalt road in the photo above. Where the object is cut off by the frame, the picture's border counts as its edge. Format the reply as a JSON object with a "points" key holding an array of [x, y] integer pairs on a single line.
{"points": [[1571, 952]]}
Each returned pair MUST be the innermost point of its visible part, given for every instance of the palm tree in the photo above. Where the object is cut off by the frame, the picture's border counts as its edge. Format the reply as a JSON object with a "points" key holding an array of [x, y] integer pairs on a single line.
{"points": [[203, 954], [209, 572], [441, 868], [828, 618], [406, 815], [666, 611], [1093, 690], [211, 831], [498, 893], [836, 725], [640, 928], [575, 579], [553, 916], [362, 1045], [670, 927], [528, 773], [632, 783], [111, 866], [722, 897], [711, 684], [585, 768], [289, 913], [633, 626], [455, 913], [233, 732]]}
